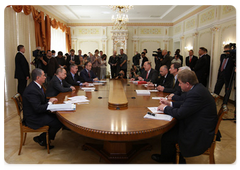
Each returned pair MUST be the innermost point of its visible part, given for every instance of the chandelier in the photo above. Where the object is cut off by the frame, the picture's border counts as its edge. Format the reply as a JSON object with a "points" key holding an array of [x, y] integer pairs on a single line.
{"points": [[121, 19]]}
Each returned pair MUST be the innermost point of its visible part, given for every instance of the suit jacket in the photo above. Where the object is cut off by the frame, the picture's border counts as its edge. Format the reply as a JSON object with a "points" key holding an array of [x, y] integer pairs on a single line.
{"points": [[202, 69], [166, 82], [193, 62], [153, 75], [173, 88], [227, 72], [166, 61], [85, 76], [197, 117], [54, 87], [35, 114], [21, 67], [76, 59], [73, 81]]}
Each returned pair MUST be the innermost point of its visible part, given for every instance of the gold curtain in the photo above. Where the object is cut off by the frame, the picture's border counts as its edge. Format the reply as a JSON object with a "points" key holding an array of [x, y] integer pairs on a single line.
{"points": [[68, 39], [48, 32], [43, 26]]}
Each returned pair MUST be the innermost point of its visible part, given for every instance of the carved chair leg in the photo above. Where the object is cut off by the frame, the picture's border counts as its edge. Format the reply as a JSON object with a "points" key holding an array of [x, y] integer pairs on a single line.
{"points": [[47, 140], [21, 142], [24, 140], [211, 158]]}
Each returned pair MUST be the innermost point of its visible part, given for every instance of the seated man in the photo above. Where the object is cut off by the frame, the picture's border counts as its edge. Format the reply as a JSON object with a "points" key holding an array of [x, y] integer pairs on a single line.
{"points": [[73, 78], [149, 74], [197, 119], [179, 95], [58, 84], [87, 73], [166, 78], [174, 85], [35, 108]]}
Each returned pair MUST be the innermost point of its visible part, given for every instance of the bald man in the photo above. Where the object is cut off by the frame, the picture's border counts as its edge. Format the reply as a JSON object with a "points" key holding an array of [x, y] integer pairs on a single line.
{"points": [[166, 60]]}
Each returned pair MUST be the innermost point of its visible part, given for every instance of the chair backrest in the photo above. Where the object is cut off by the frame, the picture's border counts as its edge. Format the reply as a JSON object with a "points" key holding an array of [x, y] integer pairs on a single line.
{"points": [[221, 112], [17, 98]]}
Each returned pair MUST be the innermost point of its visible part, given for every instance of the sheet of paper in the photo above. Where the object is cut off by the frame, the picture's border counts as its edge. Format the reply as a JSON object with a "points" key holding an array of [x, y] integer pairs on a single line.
{"points": [[61, 107], [77, 99], [153, 90], [143, 92], [88, 88], [97, 83], [158, 98], [154, 110], [159, 117], [90, 84]]}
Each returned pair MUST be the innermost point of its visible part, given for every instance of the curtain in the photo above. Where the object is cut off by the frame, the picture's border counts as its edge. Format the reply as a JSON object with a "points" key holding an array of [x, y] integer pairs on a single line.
{"points": [[18, 29], [58, 40], [68, 39], [48, 32]]}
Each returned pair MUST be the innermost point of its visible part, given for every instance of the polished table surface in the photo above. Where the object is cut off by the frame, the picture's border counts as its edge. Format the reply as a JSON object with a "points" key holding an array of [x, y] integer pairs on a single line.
{"points": [[111, 124]]}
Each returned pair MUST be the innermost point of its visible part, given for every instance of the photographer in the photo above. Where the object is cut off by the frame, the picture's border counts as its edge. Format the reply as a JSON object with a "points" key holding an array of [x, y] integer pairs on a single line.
{"points": [[134, 72], [224, 71], [38, 54], [136, 59], [157, 58]]}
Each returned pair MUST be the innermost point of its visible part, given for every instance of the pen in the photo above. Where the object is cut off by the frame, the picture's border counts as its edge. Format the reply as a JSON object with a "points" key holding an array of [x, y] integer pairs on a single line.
{"points": [[166, 96]]}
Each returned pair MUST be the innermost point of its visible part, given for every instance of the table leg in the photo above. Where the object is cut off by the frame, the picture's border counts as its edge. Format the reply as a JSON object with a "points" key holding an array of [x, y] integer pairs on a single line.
{"points": [[117, 152]]}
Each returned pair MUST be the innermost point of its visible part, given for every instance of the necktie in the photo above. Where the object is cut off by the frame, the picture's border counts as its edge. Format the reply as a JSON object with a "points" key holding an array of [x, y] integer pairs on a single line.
{"points": [[89, 74], [42, 91], [190, 59], [147, 75], [173, 81], [223, 64]]}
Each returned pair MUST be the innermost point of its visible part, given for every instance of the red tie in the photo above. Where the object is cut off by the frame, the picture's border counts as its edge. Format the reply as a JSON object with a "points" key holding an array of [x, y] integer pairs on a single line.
{"points": [[89, 74], [223, 64], [147, 75], [190, 60]]}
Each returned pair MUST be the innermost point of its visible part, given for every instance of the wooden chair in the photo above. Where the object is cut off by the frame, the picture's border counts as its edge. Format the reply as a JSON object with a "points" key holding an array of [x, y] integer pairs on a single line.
{"points": [[209, 151], [23, 128]]}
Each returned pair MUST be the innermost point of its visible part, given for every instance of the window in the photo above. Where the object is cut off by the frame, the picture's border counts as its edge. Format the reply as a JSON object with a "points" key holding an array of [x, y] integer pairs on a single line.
{"points": [[58, 40]]}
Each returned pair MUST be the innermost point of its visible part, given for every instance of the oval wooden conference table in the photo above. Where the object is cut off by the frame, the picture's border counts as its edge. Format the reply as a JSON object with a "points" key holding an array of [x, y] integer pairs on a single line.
{"points": [[115, 115]]}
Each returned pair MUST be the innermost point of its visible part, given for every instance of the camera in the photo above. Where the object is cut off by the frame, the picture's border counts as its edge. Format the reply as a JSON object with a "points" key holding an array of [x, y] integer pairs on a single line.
{"points": [[38, 54], [158, 53], [232, 51]]}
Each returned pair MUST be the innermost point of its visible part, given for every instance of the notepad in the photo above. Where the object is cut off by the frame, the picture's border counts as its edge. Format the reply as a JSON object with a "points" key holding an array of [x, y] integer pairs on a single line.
{"points": [[61, 107], [159, 117], [154, 110], [158, 98], [88, 88], [153, 90], [77, 99], [143, 92]]}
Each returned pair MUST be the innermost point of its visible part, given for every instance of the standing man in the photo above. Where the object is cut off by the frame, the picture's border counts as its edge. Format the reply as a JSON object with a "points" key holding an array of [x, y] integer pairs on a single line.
{"points": [[224, 72], [72, 59], [21, 69], [166, 60], [58, 84], [35, 109], [202, 66], [123, 62], [113, 64], [191, 60], [197, 119]]}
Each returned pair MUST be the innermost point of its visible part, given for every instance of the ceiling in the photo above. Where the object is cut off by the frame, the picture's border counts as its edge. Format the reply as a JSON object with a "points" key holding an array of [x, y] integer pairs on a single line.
{"points": [[103, 13]]}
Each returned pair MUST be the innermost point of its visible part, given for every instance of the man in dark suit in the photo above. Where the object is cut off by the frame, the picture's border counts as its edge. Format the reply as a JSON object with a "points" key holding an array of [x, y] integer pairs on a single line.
{"points": [[21, 69], [87, 73], [149, 74], [191, 60], [113, 64], [174, 85], [73, 78], [166, 78], [72, 59], [58, 84], [202, 66], [197, 119], [166, 60], [35, 108], [224, 72]]}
